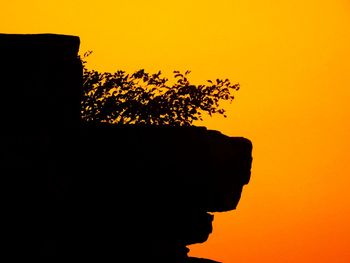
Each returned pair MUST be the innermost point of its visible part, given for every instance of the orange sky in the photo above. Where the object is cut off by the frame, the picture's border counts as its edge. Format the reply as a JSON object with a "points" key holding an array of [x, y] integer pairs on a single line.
{"points": [[292, 61]]}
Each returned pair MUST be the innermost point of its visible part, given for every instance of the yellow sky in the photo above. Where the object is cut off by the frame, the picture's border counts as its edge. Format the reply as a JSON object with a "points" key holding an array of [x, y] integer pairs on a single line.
{"points": [[292, 61]]}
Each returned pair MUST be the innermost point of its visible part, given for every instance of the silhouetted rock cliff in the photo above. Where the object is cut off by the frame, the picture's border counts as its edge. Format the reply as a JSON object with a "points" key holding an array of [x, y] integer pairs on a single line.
{"points": [[83, 191], [40, 106]]}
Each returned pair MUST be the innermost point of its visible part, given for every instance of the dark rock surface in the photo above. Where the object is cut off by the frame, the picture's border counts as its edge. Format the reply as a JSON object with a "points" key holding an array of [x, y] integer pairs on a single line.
{"points": [[40, 106], [98, 192]]}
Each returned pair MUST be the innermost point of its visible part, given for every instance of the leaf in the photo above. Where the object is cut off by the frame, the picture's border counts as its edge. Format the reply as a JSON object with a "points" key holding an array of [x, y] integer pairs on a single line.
{"points": [[142, 98]]}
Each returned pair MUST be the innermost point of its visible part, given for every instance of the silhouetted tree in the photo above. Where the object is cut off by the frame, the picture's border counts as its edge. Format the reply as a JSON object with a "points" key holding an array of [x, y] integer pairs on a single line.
{"points": [[143, 98]]}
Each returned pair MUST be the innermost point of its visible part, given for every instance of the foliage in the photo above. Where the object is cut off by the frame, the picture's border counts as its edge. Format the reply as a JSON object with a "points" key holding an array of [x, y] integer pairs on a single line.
{"points": [[143, 98]]}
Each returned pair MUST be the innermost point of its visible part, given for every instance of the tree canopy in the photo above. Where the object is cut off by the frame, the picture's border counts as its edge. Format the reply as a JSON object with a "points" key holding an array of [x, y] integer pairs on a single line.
{"points": [[144, 98]]}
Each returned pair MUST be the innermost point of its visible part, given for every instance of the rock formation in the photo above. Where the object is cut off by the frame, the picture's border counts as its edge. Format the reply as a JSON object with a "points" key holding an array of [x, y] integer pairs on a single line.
{"points": [[40, 107], [83, 191]]}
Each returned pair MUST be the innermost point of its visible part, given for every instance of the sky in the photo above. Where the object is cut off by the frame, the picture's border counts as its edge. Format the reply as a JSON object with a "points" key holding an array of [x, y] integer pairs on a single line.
{"points": [[292, 60]]}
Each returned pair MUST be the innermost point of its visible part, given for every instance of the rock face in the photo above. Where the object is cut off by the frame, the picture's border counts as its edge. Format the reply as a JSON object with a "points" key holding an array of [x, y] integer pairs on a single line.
{"points": [[164, 181], [79, 191], [41, 77]]}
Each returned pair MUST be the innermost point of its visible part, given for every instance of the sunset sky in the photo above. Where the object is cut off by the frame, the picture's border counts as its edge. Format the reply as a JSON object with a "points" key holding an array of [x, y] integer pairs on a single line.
{"points": [[292, 60]]}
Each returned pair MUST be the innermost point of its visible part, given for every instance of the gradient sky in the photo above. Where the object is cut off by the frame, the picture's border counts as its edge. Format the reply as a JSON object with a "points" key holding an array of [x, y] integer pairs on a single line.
{"points": [[292, 59]]}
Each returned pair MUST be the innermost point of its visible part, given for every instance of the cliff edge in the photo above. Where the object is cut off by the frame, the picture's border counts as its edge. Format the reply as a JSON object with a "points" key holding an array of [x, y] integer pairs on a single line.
{"points": [[82, 191]]}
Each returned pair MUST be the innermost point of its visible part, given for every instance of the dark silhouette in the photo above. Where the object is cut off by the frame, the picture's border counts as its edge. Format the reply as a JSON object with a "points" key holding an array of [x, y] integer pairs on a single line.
{"points": [[77, 190], [143, 98]]}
